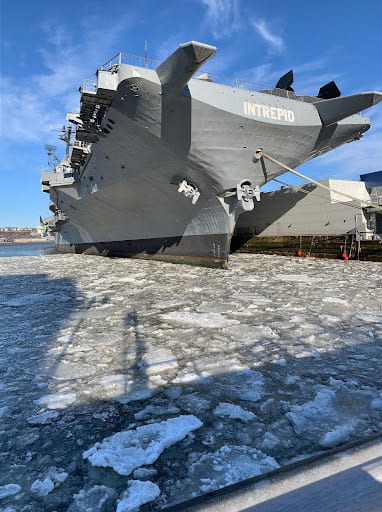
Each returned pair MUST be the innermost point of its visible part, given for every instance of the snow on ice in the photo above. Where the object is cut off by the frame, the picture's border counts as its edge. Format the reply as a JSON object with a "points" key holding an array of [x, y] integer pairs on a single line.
{"points": [[186, 379], [233, 411], [56, 400], [210, 320], [9, 490], [339, 435], [158, 360], [226, 466], [94, 499], [126, 451], [296, 278], [42, 487], [43, 418], [52, 480], [138, 493]]}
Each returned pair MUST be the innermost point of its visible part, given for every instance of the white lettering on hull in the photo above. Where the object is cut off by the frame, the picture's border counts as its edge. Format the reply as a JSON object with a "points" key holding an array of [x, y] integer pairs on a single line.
{"points": [[275, 113]]}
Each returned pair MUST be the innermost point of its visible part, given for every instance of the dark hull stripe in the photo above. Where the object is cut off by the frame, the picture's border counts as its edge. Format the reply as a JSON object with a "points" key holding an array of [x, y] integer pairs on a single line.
{"points": [[207, 250]]}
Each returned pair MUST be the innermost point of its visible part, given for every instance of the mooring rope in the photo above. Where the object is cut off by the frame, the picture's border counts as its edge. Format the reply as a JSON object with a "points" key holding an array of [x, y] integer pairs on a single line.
{"points": [[326, 198], [260, 154]]}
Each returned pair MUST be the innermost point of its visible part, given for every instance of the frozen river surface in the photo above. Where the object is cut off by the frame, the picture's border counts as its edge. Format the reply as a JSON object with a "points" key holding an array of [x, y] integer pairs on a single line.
{"points": [[125, 382]]}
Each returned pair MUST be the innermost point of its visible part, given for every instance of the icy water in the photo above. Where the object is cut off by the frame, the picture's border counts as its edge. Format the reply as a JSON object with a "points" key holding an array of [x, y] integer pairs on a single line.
{"points": [[10, 249], [125, 382]]}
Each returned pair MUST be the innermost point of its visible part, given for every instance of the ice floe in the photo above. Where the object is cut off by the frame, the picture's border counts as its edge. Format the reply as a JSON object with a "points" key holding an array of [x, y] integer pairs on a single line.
{"points": [[296, 278], [43, 418], [9, 490], [53, 479], [155, 410], [157, 360], [233, 411], [57, 400], [144, 473], [126, 451], [138, 493], [103, 347], [95, 499], [209, 320], [308, 417], [340, 434], [227, 465], [42, 487]]}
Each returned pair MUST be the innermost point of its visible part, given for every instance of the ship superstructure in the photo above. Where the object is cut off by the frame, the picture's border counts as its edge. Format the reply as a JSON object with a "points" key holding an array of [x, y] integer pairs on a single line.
{"points": [[163, 164]]}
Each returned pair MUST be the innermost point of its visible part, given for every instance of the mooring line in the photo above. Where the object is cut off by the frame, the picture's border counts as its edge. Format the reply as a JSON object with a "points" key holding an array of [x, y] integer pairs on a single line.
{"points": [[260, 154]]}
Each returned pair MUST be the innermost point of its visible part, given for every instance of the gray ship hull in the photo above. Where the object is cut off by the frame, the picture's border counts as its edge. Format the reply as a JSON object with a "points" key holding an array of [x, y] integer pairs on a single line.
{"points": [[170, 166]]}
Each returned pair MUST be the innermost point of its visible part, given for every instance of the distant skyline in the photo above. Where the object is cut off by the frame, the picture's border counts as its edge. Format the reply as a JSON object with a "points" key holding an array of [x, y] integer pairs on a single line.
{"points": [[48, 48]]}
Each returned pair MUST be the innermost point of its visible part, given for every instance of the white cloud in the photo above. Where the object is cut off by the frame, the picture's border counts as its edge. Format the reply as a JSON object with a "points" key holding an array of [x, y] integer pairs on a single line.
{"points": [[312, 65], [275, 41], [309, 76], [222, 17], [25, 115], [34, 104], [263, 74]]}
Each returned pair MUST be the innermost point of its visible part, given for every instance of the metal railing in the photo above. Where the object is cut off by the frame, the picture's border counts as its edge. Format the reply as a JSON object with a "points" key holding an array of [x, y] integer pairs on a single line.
{"points": [[89, 85], [132, 60], [145, 62], [247, 85], [81, 145]]}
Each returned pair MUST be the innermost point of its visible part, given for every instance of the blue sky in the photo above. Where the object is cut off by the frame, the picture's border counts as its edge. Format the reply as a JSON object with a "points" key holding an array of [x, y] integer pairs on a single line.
{"points": [[48, 48]]}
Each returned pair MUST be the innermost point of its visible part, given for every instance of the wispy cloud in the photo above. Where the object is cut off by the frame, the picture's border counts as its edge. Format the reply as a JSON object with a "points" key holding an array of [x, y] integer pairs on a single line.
{"points": [[264, 74], [308, 76], [312, 65], [274, 40], [30, 107], [26, 116], [222, 17]]}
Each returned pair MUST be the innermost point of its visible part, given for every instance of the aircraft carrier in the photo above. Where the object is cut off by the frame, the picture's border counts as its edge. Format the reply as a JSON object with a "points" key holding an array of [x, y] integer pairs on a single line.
{"points": [[162, 162]]}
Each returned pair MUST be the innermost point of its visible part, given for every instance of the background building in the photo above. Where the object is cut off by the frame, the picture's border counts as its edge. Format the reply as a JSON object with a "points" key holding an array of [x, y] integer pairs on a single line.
{"points": [[373, 182], [309, 210]]}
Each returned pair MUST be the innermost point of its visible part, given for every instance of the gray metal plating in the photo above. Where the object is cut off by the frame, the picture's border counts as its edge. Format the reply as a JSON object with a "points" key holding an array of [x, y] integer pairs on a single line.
{"points": [[161, 156]]}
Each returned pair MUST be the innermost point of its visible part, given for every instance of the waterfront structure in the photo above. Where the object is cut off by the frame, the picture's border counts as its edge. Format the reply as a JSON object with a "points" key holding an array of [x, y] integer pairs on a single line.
{"points": [[309, 210], [373, 183]]}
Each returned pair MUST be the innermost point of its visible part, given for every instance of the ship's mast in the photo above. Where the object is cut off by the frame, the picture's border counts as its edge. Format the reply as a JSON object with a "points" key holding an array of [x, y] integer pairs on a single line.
{"points": [[52, 157], [66, 136], [146, 56]]}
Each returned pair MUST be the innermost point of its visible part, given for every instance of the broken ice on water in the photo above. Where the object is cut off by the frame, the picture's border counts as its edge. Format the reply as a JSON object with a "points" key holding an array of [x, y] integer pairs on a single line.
{"points": [[131, 449], [129, 382]]}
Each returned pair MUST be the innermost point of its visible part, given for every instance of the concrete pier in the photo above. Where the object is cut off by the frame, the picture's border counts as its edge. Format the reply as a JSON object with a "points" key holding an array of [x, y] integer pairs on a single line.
{"points": [[346, 479]]}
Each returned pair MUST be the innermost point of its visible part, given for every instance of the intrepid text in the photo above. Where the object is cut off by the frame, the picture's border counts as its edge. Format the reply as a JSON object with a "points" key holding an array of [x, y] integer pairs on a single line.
{"points": [[276, 113]]}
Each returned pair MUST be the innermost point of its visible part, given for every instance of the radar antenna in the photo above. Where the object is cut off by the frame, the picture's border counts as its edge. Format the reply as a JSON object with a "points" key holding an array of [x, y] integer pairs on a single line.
{"points": [[52, 157], [66, 136]]}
